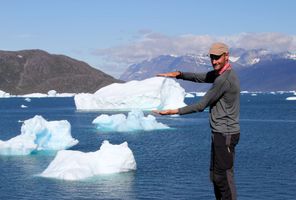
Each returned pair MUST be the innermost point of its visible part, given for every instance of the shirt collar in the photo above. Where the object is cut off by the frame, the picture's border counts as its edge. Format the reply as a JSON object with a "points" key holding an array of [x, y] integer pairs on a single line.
{"points": [[225, 68]]}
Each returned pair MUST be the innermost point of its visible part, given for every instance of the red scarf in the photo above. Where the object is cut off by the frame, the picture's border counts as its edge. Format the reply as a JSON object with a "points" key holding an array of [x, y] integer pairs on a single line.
{"points": [[225, 68]]}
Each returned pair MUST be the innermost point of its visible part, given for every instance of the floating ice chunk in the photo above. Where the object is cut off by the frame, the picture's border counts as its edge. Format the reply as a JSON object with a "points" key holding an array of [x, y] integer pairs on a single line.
{"points": [[4, 94], [76, 165], [244, 92], [291, 98], [27, 99], [23, 106], [65, 95], [135, 121], [200, 94], [19, 145], [35, 95], [149, 94], [39, 134], [109, 123], [52, 93], [189, 95]]}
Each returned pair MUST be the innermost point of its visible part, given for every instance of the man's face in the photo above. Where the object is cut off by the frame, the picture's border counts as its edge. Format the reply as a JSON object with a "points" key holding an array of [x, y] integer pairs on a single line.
{"points": [[219, 61]]}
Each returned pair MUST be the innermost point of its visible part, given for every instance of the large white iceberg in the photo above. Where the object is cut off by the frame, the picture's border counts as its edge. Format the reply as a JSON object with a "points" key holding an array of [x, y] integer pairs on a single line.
{"points": [[39, 134], [134, 121], [76, 165], [149, 94]]}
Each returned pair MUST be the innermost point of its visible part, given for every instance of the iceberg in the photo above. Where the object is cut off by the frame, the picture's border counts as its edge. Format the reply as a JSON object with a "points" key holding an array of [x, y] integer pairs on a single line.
{"points": [[76, 165], [38, 134], [53, 93], [200, 94], [189, 95], [34, 95], [150, 94], [27, 99], [50, 93], [291, 98], [134, 121], [4, 94]]}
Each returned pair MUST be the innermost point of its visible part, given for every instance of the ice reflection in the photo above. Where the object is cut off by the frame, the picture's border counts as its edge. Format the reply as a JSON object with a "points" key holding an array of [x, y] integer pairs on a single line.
{"points": [[115, 186]]}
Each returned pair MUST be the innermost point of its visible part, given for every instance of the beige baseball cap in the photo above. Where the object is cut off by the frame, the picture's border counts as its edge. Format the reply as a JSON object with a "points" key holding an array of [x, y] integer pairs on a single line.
{"points": [[218, 49]]}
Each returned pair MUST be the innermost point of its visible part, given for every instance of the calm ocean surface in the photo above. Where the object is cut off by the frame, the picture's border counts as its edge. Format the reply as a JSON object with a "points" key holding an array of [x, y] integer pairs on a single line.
{"points": [[171, 164]]}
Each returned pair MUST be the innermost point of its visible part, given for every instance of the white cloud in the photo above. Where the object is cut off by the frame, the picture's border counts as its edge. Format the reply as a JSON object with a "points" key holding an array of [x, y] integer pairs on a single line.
{"points": [[114, 69], [275, 42], [154, 44], [150, 44]]}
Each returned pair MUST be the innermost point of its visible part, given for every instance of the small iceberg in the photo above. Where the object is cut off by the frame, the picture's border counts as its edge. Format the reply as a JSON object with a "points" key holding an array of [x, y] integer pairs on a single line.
{"points": [[291, 98], [27, 99], [76, 165], [50, 93], [4, 94], [156, 93], [200, 94], [189, 95], [134, 121], [38, 134]]}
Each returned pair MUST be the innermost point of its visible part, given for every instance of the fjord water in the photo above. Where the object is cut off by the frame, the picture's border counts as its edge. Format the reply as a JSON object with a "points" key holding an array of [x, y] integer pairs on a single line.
{"points": [[171, 164]]}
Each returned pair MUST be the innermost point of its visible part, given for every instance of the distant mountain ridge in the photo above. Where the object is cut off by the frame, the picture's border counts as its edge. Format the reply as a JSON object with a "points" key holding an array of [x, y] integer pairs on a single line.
{"points": [[36, 71], [258, 69]]}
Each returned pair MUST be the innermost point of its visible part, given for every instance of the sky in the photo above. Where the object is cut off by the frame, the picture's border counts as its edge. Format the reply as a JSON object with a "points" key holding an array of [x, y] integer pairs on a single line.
{"points": [[111, 35]]}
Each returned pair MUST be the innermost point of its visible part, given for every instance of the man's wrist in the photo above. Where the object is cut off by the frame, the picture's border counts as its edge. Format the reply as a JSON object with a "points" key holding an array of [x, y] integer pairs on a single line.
{"points": [[178, 76]]}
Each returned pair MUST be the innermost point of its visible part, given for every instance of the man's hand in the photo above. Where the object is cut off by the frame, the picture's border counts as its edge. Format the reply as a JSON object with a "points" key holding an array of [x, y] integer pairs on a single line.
{"points": [[166, 112], [170, 74]]}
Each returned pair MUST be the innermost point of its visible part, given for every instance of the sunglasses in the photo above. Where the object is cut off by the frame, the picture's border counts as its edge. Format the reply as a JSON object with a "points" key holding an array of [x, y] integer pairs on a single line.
{"points": [[216, 57]]}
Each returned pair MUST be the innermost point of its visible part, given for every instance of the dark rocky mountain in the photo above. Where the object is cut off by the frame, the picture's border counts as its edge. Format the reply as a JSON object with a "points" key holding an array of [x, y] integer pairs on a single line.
{"points": [[258, 70], [32, 71]]}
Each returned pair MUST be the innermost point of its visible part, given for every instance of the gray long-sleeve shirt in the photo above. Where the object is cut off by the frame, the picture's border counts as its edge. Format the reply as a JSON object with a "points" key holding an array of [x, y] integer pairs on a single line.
{"points": [[223, 98]]}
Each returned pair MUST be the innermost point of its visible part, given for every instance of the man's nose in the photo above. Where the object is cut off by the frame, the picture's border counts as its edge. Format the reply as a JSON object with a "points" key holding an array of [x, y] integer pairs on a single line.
{"points": [[214, 61]]}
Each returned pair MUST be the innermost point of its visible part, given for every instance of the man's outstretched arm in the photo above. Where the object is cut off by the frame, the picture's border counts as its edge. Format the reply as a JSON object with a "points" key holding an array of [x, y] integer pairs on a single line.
{"points": [[170, 74], [167, 112]]}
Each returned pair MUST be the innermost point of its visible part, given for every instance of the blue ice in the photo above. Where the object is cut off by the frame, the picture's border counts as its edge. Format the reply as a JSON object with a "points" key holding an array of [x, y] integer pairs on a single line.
{"points": [[135, 121]]}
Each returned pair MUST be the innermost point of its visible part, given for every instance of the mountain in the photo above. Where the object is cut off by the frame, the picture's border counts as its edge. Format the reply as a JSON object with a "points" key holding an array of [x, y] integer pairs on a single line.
{"points": [[167, 63], [270, 75], [258, 69], [32, 71]]}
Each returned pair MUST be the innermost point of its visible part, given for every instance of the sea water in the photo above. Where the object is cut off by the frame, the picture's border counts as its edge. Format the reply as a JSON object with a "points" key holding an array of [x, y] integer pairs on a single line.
{"points": [[171, 164]]}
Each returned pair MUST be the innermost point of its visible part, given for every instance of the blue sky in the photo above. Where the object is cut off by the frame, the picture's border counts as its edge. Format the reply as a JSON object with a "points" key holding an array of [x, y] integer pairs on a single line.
{"points": [[112, 34]]}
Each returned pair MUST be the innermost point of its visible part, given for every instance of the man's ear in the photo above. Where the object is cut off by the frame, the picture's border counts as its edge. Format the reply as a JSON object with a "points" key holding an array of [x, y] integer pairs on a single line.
{"points": [[227, 56]]}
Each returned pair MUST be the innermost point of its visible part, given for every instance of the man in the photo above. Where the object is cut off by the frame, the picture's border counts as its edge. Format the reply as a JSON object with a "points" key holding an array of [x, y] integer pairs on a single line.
{"points": [[223, 100]]}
